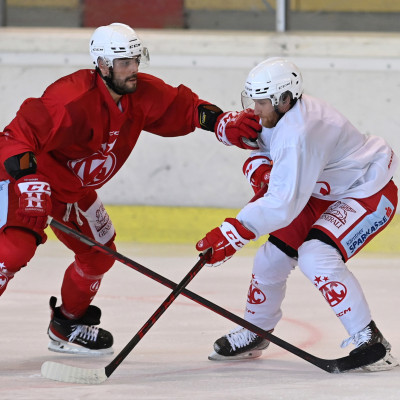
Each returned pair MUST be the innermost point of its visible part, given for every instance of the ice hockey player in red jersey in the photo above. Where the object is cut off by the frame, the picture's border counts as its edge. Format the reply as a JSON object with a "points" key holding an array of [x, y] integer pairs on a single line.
{"points": [[330, 192], [63, 146]]}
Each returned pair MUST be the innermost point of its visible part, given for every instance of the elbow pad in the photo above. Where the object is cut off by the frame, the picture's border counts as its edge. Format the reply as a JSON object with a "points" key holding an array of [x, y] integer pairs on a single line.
{"points": [[208, 115], [20, 165]]}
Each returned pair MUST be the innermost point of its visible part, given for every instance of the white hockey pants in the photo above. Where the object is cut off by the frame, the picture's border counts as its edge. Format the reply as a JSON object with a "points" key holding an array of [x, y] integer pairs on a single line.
{"points": [[323, 266]]}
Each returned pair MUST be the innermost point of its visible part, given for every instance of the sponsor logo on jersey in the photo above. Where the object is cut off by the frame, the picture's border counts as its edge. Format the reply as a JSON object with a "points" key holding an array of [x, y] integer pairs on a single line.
{"points": [[344, 312], [103, 223], [99, 222], [370, 225], [340, 216], [337, 213], [99, 167]]}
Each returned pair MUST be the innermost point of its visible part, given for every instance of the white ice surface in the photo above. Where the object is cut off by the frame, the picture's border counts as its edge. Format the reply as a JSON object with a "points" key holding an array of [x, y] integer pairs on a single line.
{"points": [[170, 362]]}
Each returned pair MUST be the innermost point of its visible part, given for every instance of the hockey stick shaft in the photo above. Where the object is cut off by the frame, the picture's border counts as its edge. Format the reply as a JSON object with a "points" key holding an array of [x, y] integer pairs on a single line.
{"points": [[335, 365], [110, 368]]}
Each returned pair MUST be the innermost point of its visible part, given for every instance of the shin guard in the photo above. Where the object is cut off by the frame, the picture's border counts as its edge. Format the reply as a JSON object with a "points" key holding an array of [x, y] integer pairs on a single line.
{"points": [[82, 280], [324, 267]]}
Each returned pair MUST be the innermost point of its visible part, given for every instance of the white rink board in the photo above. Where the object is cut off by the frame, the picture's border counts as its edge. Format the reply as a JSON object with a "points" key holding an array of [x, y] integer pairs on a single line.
{"points": [[170, 362], [358, 73]]}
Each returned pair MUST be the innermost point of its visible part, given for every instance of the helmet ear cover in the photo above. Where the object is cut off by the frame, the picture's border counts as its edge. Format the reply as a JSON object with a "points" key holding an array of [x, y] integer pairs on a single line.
{"points": [[287, 98]]}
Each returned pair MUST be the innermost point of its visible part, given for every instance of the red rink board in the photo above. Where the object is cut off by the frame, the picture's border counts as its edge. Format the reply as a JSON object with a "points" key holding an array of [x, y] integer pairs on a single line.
{"points": [[154, 14]]}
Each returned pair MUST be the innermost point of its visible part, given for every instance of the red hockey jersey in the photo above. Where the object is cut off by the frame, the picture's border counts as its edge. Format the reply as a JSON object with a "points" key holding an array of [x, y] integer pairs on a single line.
{"points": [[81, 138]]}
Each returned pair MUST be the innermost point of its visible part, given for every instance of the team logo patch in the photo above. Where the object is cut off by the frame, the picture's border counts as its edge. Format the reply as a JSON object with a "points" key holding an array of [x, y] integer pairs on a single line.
{"points": [[323, 188], [94, 287], [99, 167], [94, 170], [255, 295], [334, 292]]}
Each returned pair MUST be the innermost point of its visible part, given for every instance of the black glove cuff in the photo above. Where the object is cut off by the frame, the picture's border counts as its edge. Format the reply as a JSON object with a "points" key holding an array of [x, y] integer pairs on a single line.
{"points": [[208, 115], [20, 165]]}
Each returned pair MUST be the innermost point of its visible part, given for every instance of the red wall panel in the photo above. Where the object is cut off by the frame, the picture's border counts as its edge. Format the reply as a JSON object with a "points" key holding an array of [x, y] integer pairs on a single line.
{"points": [[135, 13]]}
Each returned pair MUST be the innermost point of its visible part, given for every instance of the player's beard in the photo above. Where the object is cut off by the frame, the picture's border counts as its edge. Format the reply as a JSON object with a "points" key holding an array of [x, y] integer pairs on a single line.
{"points": [[123, 86]]}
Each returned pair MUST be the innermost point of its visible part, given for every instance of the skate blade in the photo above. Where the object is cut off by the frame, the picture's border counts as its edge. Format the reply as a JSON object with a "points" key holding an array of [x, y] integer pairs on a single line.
{"points": [[388, 362], [60, 346], [214, 356]]}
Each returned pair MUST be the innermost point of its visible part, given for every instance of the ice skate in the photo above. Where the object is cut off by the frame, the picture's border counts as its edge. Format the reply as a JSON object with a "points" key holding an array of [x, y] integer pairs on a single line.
{"points": [[366, 337], [238, 344], [79, 336]]}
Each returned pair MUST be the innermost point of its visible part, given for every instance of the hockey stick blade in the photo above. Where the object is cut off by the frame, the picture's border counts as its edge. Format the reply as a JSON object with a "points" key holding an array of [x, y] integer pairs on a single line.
{"points": [[350, 362], [67, 373], [368, 356]]}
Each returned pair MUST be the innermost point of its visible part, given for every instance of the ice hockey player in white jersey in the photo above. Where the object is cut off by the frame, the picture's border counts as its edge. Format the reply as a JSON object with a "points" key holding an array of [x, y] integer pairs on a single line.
{"points": [[327, 192]]}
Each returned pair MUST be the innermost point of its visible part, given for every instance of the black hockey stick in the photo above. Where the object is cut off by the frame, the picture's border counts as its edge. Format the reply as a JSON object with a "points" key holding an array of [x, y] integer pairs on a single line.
{"points": [[373, 354], [67, 373]]}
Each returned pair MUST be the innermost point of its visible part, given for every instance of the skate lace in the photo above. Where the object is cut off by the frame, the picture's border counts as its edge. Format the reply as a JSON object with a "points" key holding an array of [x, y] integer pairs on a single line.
{"points": [[86, 332], [358, 338], [240, 337]]}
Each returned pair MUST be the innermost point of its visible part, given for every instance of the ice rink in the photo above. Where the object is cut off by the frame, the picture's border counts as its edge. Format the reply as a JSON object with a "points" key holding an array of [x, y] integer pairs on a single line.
{"points": [[170, 362]]}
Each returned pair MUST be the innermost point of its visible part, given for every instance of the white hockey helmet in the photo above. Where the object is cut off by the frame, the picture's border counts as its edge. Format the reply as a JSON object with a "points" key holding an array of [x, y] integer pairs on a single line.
{"points": [[116, 41], [271, 78]]}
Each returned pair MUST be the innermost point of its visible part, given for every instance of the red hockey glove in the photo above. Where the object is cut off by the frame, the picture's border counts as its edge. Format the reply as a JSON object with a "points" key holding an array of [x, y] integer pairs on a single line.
{"points": [[257, 170], [225, 241], [34, 200], [238, 128]]}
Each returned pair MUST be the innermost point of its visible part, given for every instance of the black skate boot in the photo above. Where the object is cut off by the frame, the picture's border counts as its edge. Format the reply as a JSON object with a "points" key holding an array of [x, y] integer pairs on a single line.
{"points": [[78, 336], [366, 337], [238, 344]]}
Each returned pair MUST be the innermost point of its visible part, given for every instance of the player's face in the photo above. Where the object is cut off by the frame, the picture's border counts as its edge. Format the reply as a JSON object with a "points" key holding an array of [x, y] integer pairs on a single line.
{"points": [[265, 110], [125, 74]]}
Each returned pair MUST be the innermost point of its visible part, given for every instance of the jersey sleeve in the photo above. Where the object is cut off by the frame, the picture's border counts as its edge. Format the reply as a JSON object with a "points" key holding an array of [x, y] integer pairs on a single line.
{"points": [[28, 131], [297, 166], [173, 111], [46, 123]]}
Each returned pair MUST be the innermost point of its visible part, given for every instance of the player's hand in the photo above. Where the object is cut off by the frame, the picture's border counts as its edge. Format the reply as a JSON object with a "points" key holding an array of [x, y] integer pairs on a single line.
{"points": [[34, 200], [257, 170], [225, 241], [239, 128]]}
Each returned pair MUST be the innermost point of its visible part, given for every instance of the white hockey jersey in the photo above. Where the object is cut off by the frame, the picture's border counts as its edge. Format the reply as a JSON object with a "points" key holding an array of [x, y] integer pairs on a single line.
{"points": [[317, 152]]}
